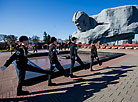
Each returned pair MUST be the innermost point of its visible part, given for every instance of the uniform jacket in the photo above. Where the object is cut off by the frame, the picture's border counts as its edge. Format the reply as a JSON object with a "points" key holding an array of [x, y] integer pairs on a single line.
{"points": [[93, 51], [73, 50], [52, 53], [20, 56]]}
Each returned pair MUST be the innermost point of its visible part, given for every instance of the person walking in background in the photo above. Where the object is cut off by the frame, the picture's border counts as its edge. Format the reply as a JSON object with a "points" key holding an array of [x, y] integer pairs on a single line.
{"points": [[94, 55], [68, 44], [35, 48], [65, 46], [11, 48], [74, 56], [54, 63], [61, 45]]}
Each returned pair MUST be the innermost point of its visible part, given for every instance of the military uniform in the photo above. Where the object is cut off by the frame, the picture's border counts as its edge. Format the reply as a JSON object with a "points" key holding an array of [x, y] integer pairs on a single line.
{"points": [[21, 59], [94, 55], [74, 56], [54, 62]]}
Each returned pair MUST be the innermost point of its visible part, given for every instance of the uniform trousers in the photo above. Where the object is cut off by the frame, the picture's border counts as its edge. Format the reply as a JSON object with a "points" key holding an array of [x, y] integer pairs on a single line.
{"points": [[59, 67], [22, 71], [73, 62]]}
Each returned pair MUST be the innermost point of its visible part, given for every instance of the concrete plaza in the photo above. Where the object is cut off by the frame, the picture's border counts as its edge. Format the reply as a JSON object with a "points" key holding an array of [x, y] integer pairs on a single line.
{"points": [[115, 81]]}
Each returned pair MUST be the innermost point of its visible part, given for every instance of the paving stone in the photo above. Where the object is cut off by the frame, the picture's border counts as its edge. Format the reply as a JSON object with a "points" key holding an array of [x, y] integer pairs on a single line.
{"points": [[115, 81]]}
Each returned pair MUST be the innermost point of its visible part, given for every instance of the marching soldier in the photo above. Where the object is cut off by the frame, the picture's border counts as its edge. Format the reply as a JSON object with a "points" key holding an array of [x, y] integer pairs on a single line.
{"points": [[94, 55], [22, 64], [74, 56], [54, 63]]}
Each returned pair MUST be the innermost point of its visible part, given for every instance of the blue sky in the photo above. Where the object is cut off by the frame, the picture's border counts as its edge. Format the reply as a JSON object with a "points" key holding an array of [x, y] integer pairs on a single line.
{"points": [[33, 17]]}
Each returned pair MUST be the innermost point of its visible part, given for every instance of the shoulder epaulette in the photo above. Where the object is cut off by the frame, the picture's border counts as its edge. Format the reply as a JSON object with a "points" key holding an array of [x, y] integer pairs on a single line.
{"points": [[22, 47]]}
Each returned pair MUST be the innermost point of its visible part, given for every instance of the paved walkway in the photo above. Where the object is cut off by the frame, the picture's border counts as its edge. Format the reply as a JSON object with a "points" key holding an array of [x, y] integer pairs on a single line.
{"points": [[115, 81]]}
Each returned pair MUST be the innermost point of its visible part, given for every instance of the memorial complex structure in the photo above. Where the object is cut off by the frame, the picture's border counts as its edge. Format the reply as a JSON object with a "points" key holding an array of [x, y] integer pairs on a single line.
{"points": [[113, 25]]}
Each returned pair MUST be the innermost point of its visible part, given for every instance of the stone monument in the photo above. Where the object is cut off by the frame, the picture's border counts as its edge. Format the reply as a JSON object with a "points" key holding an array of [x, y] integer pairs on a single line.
{"points": [[111, 25]]}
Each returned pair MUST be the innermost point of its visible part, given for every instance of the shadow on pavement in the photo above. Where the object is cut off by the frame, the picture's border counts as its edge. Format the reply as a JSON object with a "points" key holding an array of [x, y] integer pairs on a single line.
{"points": [[82, 88]]}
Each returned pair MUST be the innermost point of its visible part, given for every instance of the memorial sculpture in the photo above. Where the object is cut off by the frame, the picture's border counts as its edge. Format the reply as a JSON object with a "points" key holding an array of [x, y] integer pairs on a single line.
{"points": [[111, 25]]}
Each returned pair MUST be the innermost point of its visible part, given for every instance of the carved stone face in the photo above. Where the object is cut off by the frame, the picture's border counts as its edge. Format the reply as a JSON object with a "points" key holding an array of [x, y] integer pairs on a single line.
{"points": [[81, 24], [82, 21]]}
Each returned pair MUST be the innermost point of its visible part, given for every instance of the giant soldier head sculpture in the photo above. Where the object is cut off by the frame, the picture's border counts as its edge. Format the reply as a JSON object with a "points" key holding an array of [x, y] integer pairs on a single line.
{"points": [[83, 21]]}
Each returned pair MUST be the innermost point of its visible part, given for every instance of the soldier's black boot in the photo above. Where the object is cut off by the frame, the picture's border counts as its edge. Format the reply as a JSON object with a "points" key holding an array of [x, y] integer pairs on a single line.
{"points": [[83, 67], [72, 76], [51, 84], [91, 70], [100, 63], [19, 93], [66, 75]]}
